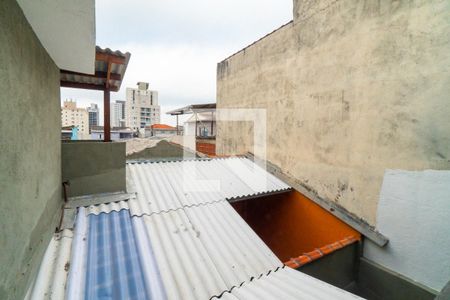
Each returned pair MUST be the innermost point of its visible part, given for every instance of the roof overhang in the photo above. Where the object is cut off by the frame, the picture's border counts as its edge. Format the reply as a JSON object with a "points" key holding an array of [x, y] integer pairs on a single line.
{"points": [[66, 29], [194, 108], [110, 67]]}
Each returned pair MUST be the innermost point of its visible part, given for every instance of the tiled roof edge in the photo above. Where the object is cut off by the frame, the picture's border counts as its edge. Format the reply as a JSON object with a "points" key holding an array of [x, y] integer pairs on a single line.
{"points": [[311, 256]]}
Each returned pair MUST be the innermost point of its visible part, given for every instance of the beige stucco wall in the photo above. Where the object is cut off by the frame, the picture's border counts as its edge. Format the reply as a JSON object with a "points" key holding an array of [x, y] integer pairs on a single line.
{"points": [[30, 151], [351, 88]]}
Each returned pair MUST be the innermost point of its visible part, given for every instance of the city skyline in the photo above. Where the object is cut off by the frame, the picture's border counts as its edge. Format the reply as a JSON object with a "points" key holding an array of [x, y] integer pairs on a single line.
{"points": [[179, 50]]}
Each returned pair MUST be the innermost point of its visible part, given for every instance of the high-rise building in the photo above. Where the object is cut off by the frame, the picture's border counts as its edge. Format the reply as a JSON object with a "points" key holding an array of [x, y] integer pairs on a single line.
{"points": [[71, 115], [93, 115], [142, 107], [118, 113]]}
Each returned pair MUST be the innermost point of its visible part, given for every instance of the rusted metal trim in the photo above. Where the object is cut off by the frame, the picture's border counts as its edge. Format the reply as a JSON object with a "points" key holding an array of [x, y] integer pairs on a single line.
{"points": [[106, 116]]}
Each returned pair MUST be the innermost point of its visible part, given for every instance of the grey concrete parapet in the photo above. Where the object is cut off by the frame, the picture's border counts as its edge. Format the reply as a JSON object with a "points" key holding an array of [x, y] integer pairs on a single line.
{"points": [[92, 167]]}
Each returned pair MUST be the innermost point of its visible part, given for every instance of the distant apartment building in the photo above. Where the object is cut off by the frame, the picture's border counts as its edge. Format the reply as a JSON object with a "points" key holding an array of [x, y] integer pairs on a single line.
{"points": [[142, 107], [118, 113], [71, 115], [93, 115]]}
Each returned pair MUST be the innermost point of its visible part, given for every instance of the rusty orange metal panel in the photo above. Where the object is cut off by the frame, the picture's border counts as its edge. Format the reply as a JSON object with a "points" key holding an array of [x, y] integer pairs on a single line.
{"points": [[291, 224]]}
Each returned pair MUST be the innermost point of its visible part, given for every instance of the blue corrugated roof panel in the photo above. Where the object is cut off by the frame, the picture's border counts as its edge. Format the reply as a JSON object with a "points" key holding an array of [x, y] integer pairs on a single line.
{"points": [[114, 270]]}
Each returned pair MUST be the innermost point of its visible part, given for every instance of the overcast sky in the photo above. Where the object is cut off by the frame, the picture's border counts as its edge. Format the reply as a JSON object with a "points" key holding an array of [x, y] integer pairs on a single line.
{"points": [[175, 45]]}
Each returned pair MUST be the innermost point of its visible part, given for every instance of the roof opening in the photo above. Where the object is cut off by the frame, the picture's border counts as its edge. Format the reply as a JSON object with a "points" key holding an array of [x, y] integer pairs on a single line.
{"points": [[304, 236]]}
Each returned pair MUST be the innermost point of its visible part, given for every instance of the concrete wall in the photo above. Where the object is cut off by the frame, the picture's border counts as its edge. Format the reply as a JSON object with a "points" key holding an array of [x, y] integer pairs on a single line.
{"points": [[93, 167], [30, 160], [338, 268], [351, 88], [63, 26], [414, 212], [378, 283]]}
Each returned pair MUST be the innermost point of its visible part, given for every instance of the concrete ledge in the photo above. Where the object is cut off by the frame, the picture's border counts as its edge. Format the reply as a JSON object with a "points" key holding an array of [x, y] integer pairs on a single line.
{"points": [[377, 282], [93, 167], [337, 268]]}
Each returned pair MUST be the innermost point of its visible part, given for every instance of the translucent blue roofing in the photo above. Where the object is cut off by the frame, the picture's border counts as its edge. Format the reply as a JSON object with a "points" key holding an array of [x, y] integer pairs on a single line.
{"points": [[114, 270]]}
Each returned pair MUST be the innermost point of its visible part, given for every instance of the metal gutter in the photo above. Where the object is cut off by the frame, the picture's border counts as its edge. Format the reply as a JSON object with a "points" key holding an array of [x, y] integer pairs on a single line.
{"points": [[335, 209]]}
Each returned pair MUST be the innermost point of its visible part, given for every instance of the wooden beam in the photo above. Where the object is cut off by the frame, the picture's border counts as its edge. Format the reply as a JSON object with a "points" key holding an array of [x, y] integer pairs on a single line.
{"points": [[119, 60], [332, 207], [108, 75], [86, 86], [106, 116], [212, 123], [98, 74]]}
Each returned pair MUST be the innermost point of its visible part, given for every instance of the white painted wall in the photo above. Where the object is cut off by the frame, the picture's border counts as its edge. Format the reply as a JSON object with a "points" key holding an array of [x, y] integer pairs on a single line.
{"points": [[414, 213], [66, 29]]}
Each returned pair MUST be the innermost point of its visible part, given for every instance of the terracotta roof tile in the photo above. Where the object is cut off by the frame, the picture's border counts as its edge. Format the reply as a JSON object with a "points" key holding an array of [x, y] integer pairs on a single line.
{"points": [[306, 258]]}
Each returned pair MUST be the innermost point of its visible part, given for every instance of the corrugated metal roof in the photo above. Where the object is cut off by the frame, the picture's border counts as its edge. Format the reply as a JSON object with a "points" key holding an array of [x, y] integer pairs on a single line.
{"points": [[107, 207], [193, 108], [166, 186], [186, 269], [205, 250], [286, 284], [237, 252], [198, 249]]}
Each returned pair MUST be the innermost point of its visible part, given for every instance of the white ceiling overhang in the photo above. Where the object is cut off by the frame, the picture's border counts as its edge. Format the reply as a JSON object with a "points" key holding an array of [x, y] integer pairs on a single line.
{"points": [[66, 29]]}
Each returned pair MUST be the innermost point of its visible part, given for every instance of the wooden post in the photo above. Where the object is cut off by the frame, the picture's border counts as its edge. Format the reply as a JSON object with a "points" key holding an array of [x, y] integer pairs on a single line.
{"points": [[195, 125], [212, 123], [177, 126], [106, 115]]}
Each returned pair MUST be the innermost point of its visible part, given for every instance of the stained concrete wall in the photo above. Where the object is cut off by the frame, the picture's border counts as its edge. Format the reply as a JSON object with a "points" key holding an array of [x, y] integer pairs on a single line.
{"points": [[93, 167], [30, 162], [351, 88]]}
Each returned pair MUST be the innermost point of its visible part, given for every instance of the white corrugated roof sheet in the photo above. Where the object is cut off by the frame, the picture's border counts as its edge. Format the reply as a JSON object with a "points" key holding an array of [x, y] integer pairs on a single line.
{"points": [[168, 243], [52, 276], [286, 284], [205, 250], [166, 186]]}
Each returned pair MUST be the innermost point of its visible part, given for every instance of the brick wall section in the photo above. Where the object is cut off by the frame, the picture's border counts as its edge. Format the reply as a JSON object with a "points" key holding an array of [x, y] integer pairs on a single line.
{"points": [[206, 148]]}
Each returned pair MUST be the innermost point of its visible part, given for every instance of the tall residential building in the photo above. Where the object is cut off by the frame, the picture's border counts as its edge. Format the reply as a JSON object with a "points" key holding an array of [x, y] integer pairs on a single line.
{"points": [[142, 108], [93, 115], [71, 115], [118, 113]]}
